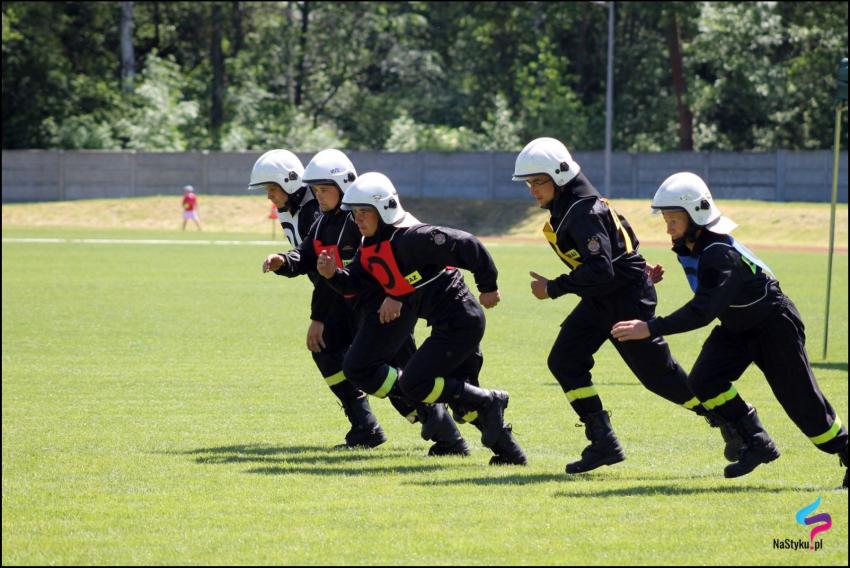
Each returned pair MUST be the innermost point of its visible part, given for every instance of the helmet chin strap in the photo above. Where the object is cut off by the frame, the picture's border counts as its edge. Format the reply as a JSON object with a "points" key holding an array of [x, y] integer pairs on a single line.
{"points": [[294, 201]]}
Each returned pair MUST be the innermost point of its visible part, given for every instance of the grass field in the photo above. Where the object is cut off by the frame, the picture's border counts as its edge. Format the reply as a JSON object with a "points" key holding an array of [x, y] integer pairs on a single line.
{"points": [[159, 407]]}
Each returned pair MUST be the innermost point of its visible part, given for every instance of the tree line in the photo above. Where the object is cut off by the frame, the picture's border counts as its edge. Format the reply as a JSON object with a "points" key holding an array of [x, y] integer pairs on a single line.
{"points": [[407, 76]]}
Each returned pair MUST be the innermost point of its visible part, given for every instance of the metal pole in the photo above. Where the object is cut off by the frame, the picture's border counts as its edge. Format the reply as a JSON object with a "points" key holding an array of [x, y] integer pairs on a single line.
{"points": [[609, 99], [837, 145]]}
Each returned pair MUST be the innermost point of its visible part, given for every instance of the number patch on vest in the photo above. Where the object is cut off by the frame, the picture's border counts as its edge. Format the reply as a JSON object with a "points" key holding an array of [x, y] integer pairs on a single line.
{"points": [[413, 277]]}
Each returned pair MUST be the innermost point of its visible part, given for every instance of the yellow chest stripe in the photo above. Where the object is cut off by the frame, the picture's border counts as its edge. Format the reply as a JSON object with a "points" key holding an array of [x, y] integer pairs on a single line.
{"points": [[571, 257]]}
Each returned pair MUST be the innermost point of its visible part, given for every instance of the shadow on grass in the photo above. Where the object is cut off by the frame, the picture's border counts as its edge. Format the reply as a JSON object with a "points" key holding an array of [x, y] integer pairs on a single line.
{"points": [[261, 453], [520, 478], [830, 366], [354, 470], [671, 490], [311, 460], [516, 479]]}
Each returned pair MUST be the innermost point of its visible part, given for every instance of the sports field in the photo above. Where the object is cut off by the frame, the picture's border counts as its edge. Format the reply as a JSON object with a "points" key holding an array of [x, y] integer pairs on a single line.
{"points": [[160, 407]]}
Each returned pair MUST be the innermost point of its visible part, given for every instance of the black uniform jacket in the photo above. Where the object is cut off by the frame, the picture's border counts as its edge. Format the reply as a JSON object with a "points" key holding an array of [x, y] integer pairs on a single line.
{"points": [[598, 246], [418, 266], [728, 287], [297, 221], [333, 230]]}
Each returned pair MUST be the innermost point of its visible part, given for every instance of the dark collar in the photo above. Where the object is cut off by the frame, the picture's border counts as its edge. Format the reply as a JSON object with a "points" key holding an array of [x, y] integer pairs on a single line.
{"points": [[705, 238], [578, 188]]}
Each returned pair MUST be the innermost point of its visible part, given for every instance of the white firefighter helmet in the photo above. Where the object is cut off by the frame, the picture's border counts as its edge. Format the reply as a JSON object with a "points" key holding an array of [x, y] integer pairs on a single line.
{"points": [[374, 189], [330, 167], [688, 192], [546, 156], [279, 166]]}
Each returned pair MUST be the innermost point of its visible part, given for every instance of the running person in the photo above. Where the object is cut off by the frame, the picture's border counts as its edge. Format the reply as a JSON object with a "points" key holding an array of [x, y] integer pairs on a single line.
{"points": [[758, 324], [415, 265], [279, 173], [336, 318], [600, 249]]}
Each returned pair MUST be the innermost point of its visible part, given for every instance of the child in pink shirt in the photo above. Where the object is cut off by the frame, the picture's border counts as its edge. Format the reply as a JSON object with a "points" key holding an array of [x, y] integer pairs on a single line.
{"points": [[190, 206]]}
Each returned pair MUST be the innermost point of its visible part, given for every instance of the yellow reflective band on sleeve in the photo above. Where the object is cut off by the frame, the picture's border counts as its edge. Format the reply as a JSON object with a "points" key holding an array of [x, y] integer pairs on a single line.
{"points": [[829, 434], [722, 398], [691, 404], [335, 379], [584, 392], [626, 238], [469, 417], [412, 417], [382, 392], [439, 383], [570, 257]]}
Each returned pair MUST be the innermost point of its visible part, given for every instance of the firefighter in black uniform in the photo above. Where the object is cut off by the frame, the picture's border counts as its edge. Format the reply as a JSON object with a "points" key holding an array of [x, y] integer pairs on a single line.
{"points": [[328, 174], [280, 174], [417, 266], [758, 324], [609, 275]]}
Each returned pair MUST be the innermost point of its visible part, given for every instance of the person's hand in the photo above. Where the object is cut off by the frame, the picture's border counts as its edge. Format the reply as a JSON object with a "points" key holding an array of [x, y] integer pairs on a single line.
{"points": [[630, 330], [326, 265], [315, 342], [538, 286], [273, 263], [489, 299], [390, 310], [655, 273]]}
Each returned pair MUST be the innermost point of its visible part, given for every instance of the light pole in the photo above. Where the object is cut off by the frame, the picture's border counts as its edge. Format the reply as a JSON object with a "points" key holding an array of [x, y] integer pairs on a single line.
{"points": [[609, 99], [609, 96]]}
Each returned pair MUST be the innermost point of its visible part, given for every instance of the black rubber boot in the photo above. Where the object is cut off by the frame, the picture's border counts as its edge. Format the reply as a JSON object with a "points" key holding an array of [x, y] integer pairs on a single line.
{"points": [[365, 431], [491, 405], [508, 450], [758, 446], [731, 438], [604, 448], [439, 427]]}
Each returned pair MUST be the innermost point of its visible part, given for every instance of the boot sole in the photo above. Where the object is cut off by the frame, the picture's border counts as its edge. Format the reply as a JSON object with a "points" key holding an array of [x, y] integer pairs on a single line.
{"points": [[608, 461], [733, 474], [459, 449], [365, 445], [501, 460]]}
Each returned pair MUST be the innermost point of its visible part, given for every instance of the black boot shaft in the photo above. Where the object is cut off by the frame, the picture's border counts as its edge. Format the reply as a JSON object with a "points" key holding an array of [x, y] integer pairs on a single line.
{"points": [[758, 446], [604, 448]]}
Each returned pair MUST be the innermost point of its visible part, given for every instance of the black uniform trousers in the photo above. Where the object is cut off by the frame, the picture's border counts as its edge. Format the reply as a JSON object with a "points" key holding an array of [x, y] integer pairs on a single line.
{"points": [[777, 347], [340, 329], [589, 325], [451, 353]]}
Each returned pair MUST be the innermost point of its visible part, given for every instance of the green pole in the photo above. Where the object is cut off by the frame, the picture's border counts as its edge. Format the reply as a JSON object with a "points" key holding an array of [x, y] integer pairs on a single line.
{"points": [[840, 105], [832, 224]]}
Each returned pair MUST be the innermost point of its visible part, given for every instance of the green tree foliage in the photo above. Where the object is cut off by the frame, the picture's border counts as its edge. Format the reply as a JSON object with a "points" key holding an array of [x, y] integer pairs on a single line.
{"points": [[407, 76]]}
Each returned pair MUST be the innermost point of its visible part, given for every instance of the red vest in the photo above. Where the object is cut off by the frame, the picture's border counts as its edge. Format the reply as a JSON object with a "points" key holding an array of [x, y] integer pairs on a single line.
{"points": [[332, 250], [384, 268]]}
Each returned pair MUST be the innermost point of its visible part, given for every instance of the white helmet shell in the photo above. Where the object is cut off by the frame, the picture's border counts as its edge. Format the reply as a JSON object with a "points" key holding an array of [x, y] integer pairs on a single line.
{"points": [[331, 167], [374, 189], [688, 192], [279, 166], [546, 156]]}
